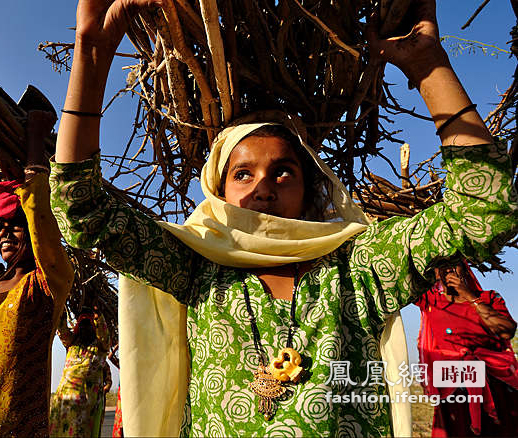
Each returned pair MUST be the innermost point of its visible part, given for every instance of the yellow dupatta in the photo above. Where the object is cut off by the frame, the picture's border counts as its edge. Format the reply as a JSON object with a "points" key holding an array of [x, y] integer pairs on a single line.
{"points": [[153, 347]]}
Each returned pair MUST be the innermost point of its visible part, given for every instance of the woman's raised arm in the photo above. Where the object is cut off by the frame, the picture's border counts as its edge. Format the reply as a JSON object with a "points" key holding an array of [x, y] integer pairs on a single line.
{"points": [[101, 24], [422, 59]]}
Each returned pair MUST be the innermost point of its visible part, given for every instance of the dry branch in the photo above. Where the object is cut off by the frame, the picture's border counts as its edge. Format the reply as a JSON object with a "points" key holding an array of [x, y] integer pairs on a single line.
{"points": [[205, 63]]}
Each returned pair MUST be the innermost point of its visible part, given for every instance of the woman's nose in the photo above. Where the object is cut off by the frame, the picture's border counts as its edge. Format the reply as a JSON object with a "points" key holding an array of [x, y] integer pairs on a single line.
{"points": [[264, 190]]}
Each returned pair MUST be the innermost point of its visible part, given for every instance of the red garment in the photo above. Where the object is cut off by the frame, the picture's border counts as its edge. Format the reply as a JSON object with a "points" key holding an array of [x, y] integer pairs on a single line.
{"points": [[117, 423], [454, 331], [9, 201]]}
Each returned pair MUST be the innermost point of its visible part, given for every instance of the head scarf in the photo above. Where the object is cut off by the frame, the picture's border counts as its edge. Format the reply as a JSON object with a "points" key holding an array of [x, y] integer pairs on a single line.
{"points": [[9, 201], [152, 324], [242, 238]]}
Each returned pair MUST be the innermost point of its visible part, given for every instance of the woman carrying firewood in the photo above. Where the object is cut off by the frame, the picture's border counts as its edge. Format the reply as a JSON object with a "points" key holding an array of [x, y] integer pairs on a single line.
{"points": [[275, 297], [77, 407], [33, 290]]}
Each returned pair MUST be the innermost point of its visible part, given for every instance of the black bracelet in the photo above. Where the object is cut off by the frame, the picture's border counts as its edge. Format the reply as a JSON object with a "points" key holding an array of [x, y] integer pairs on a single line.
{"points": [[455, 116], [81, 113]]}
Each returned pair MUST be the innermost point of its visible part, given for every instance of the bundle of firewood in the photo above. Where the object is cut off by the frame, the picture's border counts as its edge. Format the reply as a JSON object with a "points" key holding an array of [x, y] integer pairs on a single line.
{"points": [[12, 129], [419, 190], [205, 63]]}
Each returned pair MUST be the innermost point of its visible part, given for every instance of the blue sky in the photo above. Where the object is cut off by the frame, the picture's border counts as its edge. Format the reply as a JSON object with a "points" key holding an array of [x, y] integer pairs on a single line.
{"points": [[24, 24]]}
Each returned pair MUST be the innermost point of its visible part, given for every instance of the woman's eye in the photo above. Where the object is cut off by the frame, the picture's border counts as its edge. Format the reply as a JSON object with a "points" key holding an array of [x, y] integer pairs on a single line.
{"points": [[284, 172], [242, 175]]}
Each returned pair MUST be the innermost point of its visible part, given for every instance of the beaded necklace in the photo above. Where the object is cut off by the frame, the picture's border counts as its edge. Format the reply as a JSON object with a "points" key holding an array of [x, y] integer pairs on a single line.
{"points": [[270, 381]]}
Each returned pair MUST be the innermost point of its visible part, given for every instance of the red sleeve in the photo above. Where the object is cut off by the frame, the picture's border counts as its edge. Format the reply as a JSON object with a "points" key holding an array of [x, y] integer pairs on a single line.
{"points": [[496, 302], [424, 300]]}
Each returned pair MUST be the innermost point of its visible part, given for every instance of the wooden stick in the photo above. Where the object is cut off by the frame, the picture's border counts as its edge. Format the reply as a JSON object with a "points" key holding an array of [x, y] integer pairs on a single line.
{"points": [[195, 22], [366, 80], [210, 15], [479, 9], [231, 45], [382, 181], [404, 154], [384, 8], [331, 35], [183, 53]]}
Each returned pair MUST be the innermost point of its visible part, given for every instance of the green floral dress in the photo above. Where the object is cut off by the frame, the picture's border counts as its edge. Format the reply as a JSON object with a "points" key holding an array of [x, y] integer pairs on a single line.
{"points": [[77, 407], [342, 303]]}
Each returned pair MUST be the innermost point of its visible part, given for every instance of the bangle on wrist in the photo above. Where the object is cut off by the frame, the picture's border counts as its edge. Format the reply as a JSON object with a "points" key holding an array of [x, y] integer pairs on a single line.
{"points": [[475, 301], [36, 168], [455, 117], [81, 113]]}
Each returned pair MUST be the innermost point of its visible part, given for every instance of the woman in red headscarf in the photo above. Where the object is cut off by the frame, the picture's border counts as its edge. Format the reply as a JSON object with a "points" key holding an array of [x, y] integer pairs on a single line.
{"points": [[462, 322], [33, 290]]}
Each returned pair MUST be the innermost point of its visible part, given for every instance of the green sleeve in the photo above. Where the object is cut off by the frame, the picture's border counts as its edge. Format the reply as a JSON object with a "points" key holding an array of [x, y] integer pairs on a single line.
{"points": [[133, 243], [394, 259]]}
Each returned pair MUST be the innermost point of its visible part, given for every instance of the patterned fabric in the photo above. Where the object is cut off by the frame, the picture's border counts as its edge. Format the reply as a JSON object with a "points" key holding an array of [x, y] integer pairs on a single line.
{"points": [[29, 315], [77, 406], [117, 422], [342, 301]]}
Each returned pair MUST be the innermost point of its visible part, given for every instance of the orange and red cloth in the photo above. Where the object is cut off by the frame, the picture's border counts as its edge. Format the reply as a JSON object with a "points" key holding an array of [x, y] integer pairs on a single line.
{"points": [[9, 200]]}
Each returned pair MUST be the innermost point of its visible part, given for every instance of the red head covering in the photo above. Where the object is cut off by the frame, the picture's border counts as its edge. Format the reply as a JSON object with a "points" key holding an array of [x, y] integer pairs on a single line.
{"points": [[83, 317], [9, 201]]}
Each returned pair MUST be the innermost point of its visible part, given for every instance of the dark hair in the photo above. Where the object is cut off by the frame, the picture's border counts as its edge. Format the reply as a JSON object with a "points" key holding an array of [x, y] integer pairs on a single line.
{"points": [[86, 333], [312, 176]]}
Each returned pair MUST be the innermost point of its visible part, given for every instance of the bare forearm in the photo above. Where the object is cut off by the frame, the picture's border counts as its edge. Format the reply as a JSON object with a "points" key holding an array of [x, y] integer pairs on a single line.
{"points": [[499, 325], [445, 96], [420, 56], [100, 27], [78, 136]]}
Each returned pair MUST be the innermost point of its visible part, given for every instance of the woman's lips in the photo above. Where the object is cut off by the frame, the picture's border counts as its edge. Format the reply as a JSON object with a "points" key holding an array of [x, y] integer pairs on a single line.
{"points": [[8, 244]]}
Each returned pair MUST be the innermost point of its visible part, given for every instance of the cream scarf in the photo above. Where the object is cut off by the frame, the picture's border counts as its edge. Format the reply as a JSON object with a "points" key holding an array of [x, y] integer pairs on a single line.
{"points": [[152, 324]]}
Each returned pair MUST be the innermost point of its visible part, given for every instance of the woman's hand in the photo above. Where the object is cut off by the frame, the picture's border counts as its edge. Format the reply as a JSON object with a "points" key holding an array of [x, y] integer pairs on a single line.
{"points": [[102, 23], [422, 59], [416, 52], [455, 280]]}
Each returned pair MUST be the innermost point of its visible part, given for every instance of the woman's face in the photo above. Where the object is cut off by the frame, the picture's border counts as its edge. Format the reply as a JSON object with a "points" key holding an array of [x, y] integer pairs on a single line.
{"points": [[265, 175], [12, 235], [442, 273]]}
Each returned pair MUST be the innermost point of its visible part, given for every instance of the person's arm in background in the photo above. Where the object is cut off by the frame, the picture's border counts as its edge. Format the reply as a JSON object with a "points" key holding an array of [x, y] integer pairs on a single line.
{"points": [[54, 270], [112, 357], [101, 330], [107, 378], [65, 333]]}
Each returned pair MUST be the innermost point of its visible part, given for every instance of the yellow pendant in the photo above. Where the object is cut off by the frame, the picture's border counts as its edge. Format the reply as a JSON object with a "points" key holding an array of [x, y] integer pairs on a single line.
{"points": [[286, 366]]}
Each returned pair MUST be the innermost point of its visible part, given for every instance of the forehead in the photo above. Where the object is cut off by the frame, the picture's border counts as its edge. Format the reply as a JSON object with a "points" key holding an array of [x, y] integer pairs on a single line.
{"points": [[256, 148], [17, 221]]}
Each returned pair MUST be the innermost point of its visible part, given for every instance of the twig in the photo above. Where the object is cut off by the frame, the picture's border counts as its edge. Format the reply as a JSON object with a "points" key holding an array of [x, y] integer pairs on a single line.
{"points": [[479, 9]]}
